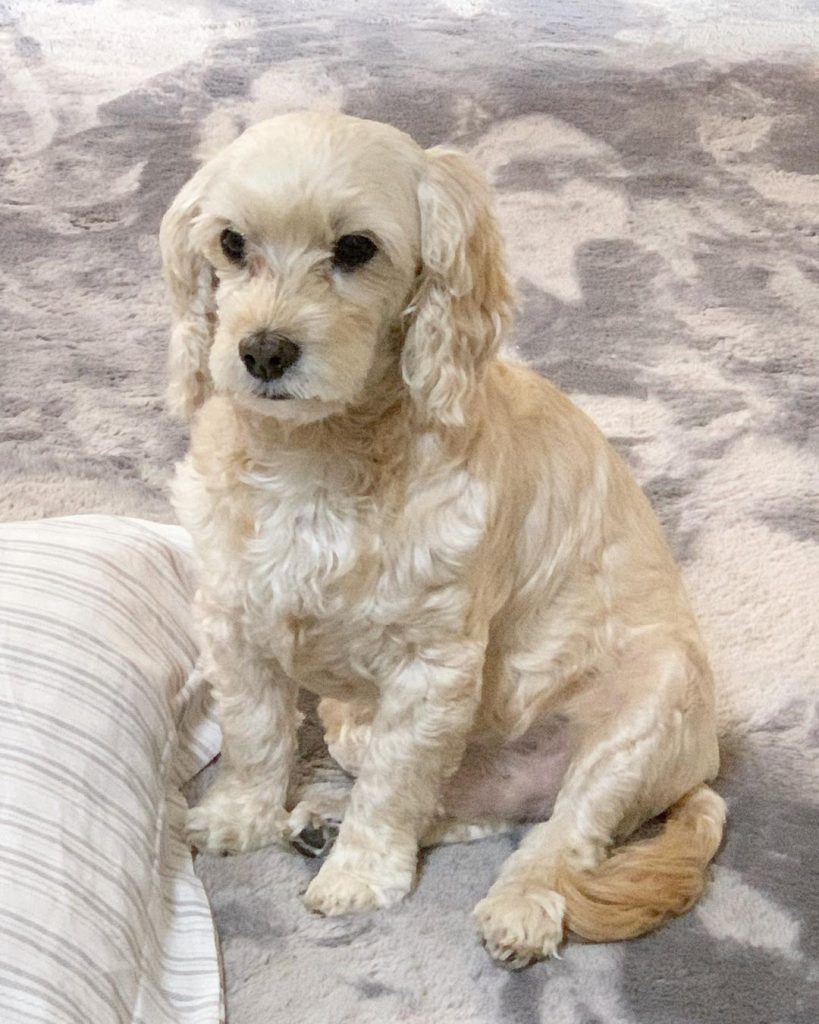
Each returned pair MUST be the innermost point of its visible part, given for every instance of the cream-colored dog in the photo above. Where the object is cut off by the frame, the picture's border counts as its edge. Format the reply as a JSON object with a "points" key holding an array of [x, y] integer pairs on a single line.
{"points": [[393, 513]]}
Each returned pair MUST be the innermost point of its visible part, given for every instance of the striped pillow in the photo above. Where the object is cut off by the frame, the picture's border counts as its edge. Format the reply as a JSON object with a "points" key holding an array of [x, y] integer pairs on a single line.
{"points": [[101, 720]]}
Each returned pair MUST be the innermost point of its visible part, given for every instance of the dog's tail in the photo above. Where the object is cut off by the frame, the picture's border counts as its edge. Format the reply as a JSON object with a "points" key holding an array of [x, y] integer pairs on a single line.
{"points": [[644, 883]]}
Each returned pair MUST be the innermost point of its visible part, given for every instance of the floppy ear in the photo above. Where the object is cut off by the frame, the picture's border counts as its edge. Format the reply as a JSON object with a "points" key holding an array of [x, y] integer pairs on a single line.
{"points": [[463, 301], [191, 282]]}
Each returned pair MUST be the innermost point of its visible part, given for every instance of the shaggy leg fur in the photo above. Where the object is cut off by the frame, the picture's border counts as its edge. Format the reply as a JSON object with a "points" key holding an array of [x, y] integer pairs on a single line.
{"points": [[244, 808], [414, 744]]}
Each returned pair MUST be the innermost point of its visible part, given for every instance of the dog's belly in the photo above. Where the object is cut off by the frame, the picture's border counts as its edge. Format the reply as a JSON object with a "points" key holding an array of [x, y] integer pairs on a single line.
{"points": [[517, 781]]}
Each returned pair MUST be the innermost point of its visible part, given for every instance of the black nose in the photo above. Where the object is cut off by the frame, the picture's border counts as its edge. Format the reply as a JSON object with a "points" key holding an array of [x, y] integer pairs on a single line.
{"points": [[267, 354]]}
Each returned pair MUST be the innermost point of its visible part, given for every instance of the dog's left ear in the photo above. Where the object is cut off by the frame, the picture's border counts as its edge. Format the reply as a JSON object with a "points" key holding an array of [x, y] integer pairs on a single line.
{"points": [[463, 302]]}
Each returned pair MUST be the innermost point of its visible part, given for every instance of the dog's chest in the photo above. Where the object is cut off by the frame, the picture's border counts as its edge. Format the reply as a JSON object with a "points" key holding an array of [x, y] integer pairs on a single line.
{"points": [[338, 587]]}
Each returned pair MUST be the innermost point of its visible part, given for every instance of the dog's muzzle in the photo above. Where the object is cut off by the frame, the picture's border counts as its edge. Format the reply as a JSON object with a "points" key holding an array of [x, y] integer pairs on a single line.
{"points": [[268, 355]]}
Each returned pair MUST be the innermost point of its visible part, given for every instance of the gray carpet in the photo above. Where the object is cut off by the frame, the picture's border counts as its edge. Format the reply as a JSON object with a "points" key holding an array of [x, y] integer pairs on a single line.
{"points": [[657, 175]]}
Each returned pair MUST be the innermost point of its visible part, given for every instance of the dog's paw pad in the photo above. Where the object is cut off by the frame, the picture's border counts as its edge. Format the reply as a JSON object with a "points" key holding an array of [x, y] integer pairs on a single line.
{"points": [[313, 826], [315, 841]]}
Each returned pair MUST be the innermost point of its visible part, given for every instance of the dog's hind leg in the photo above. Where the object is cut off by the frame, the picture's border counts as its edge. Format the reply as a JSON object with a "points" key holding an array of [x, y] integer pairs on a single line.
{"points": [[630, 767]]}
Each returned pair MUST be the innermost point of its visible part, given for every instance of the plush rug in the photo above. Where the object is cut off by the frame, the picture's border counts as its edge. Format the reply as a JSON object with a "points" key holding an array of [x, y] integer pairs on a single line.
{"points": [[656, 172]]}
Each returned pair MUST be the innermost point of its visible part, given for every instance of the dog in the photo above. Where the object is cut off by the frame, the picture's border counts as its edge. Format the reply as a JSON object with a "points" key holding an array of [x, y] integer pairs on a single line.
{"points": [[396, 514]]}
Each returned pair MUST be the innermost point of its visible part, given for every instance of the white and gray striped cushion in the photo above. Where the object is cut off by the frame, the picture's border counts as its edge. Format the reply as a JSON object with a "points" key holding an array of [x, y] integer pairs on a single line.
{"points": [[101, 720]]}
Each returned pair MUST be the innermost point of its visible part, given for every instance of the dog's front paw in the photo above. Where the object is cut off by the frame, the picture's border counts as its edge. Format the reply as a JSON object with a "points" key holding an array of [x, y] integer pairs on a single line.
{"points": [[520, 927], [235, 816], [341, 889]]}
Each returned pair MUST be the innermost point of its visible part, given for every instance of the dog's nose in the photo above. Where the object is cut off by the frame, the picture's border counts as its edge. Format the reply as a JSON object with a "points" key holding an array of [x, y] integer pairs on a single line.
{"points": [[267, 354]]}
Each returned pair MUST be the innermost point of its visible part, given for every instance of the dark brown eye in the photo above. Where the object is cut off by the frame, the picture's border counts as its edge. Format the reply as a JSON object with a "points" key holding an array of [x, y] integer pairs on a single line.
{"points": [[233, 245], [353, 251]]}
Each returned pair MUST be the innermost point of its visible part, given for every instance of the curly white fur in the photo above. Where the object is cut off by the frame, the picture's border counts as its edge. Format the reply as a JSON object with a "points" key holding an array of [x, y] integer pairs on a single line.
{"points": [[428, 535]]}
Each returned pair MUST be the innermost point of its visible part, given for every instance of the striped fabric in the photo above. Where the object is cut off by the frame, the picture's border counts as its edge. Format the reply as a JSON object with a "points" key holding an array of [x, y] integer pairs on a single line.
{"points": [[101, 720]]}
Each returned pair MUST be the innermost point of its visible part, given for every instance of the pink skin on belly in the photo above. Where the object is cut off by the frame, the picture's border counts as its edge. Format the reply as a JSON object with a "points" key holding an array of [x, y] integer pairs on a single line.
{"points": [[518, 782]]}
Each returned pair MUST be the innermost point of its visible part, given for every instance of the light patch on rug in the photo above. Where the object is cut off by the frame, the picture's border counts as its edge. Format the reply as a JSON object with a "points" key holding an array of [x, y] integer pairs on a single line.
{"points": [[734, 910], [727, 29]]}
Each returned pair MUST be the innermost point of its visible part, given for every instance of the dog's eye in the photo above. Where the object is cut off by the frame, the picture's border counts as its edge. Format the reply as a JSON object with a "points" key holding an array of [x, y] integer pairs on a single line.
{"points": [[233, 245], [353, 251]]}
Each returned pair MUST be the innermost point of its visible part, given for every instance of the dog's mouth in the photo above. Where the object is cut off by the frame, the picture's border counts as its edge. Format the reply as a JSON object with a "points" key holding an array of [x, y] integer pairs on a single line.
{"points": [[274, 396], [286, 405]]}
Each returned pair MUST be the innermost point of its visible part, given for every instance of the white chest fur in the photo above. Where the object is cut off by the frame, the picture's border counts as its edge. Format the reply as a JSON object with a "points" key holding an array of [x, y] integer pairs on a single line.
{"points": [[336, 584]]}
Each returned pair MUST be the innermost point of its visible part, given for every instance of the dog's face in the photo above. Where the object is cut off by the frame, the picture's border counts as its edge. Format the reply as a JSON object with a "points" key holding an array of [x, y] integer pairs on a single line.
{"points": [[312, 231], [294, 254]]}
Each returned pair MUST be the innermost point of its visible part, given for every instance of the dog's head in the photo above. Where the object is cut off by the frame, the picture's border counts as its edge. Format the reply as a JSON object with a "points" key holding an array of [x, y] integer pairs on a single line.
{"points": [[315, 249]]}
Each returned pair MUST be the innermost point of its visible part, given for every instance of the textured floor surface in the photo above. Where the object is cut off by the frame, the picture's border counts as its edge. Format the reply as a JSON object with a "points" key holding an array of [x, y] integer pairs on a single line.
{"points": [[656, 166]]}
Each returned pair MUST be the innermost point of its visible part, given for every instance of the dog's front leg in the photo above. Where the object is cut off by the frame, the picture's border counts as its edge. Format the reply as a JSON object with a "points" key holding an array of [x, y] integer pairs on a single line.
{"points": [[245, 808], [418, 739]]}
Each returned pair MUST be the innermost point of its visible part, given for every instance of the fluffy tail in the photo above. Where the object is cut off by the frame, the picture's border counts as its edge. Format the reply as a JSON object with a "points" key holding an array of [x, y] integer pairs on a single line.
{"points": [[644, 883]]}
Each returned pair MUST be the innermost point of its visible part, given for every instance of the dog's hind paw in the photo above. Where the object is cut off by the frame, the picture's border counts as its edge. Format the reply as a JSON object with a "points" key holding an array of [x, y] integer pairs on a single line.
{"points": [[314, 841], [314, 822], [519, 928]]}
